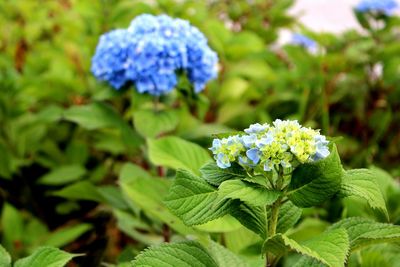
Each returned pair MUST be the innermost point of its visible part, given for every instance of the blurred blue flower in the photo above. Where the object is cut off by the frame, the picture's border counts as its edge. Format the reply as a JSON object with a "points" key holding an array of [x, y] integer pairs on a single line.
{"points": [[381, 6], [109, 61], [304, 41], [151, 51]]}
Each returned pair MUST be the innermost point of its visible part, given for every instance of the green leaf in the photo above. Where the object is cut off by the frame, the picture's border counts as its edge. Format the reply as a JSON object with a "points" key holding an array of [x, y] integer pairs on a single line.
{"points": [[215, 175], [98, 116], [177, 153], [12, 226], [315, 182], [66, 235], [330, 248], [63, 175], [224, 257], [45, 256], [82, 190], [147, 193], [364, 232], [253, 194], [251, 217], [93, 116], [184, 254], [195, 201], [224, 224], [362, 183], [288, 216], [5, 258], [150, 123]]}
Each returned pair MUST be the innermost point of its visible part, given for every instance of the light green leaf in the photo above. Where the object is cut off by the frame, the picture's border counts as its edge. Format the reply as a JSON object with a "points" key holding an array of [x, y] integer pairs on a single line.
{"points": [[195, 201], [224, 257], [63, 175], [93, 116], [315, 182], [251, 217], [5, 258], [224, 224], [147, 193], [66, 235], [330, 248], [362, 183], [215, 175], [253, 194], [136, 228], [150, 123], [45, 256], [177, 153], [12, 224], [184, 254], [364, 232], [98, 116], [82, 190], [288, 216]]}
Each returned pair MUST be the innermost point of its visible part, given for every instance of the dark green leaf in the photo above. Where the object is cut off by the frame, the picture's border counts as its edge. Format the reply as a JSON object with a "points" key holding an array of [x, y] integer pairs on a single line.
{"points": [[315, 182], [363, 183], [184, 254], [288, 216], [195, 201], [215, 175]]}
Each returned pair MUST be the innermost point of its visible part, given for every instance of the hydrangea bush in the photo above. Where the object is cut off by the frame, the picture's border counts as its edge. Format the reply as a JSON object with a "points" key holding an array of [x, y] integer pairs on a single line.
{"points": [[263, 177], [152, 52]]}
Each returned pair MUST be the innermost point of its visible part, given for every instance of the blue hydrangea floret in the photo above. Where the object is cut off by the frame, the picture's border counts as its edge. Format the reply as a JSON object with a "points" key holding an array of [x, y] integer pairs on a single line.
{"points": [[304, 41], [284, 144], [377, 6], [151, 52]]}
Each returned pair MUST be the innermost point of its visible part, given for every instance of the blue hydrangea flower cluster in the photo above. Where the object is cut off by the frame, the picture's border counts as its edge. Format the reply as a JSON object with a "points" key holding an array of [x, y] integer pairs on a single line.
{"points": [[151, 52], [266, 147], [381, 6], [304, 41]]}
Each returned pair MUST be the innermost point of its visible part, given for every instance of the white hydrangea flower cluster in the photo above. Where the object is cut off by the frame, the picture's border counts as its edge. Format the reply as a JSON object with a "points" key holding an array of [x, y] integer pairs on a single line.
{"points": [[285, 143]]}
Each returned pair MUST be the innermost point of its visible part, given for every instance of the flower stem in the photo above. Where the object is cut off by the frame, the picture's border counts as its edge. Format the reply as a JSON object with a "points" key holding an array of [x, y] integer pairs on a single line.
{"points": [[273, 219]]}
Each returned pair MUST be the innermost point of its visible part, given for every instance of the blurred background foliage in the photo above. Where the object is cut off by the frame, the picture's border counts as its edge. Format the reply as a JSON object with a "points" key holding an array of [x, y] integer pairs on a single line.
{"points": [[65, 138]]}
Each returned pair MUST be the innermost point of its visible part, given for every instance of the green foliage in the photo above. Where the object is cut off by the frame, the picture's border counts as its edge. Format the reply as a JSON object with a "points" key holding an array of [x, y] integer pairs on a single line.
{"points": [[171, 255], [45, 256], [195, 201], [253, 218], [79, 159], [150, 123], [330, 248], [247, 192], [215, 175], [5, 258], [288, 216], [364, 232], [63, 175], [224, 257], [363, 183], [140, 190], [177, 153], [315, 182]]}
